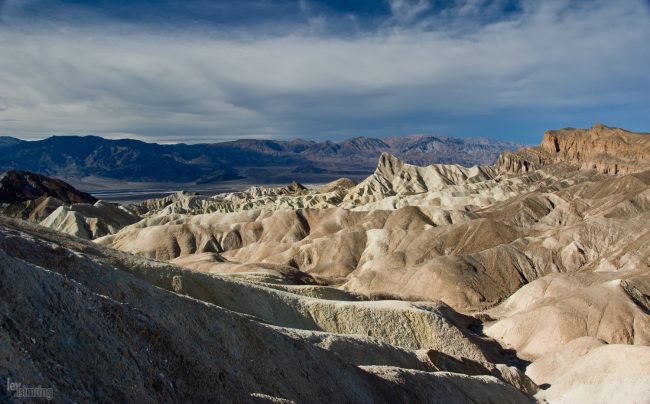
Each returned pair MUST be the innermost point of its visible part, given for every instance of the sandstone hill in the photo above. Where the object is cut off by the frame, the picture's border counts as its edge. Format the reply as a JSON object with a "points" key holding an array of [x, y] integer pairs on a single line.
{"points": [[97, 324], [90, 221], [443, 283], [58, 205], [607, 150]]}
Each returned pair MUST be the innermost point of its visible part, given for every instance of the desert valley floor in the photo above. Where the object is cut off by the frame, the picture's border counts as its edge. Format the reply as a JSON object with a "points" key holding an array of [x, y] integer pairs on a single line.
{"points": [[523, 281]]}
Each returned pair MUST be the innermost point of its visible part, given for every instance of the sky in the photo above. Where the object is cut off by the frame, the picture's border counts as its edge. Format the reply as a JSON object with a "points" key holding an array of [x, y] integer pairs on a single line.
{"points": [[208, 71]]}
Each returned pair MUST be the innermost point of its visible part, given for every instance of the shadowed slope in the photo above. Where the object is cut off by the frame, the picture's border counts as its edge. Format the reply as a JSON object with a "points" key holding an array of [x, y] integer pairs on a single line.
{"points": [[163, 346]]}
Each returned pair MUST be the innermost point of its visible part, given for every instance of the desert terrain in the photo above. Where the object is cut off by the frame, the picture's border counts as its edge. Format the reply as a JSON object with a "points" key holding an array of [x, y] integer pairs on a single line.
{"points": [[525, 280]]}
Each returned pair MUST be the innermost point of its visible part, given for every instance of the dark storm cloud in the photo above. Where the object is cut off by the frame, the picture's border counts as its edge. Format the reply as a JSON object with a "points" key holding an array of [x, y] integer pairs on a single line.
{"points": [[196, 71]]}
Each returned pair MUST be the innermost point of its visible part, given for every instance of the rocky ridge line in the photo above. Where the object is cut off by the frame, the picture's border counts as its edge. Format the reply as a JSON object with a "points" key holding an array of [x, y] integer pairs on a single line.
{"points": [[607, 150]]}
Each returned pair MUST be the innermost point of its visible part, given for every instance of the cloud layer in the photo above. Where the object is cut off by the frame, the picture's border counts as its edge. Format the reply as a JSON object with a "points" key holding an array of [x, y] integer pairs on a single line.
{"points": [[460, 70]]}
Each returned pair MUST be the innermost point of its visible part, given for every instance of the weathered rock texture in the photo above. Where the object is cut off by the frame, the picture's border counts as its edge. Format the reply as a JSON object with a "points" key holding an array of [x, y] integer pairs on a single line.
{"points": [[437, 283], [90, 221], [607, 150], [58, 205], [468, 237], [99, 325]]}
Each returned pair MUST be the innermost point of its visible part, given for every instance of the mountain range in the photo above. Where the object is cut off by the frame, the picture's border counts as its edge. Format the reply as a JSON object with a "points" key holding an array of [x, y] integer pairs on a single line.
{"points": [[263, 161]]}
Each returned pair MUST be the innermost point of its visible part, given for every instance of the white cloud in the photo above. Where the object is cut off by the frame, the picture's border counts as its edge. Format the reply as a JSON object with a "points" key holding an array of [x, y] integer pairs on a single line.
{"points": [[196, 85], [406, 10]]}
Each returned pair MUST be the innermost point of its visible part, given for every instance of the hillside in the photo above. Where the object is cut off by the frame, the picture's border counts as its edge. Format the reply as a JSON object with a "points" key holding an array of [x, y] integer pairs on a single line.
{"points": [[20, 186], [524, 280]]}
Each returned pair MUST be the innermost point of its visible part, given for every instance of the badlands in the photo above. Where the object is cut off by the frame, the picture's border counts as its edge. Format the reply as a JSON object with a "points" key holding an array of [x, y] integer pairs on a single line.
{"points": [[524, 281]]}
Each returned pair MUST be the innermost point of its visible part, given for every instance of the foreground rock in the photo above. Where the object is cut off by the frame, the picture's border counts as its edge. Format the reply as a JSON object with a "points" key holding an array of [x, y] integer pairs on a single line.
{"points": [[142, 342]]}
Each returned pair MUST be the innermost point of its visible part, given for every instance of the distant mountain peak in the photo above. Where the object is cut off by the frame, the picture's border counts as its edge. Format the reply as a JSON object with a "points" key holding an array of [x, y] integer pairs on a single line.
{"points": [[261, 161]]}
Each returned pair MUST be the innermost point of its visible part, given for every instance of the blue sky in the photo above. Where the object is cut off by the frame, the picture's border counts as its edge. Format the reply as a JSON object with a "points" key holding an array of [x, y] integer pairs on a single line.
{"points": [[193, 71]]}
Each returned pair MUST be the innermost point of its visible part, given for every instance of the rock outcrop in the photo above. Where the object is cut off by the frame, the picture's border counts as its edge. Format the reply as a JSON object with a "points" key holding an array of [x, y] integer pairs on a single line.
{"points": [[89, 221], [62, 296], [601, 148]]}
